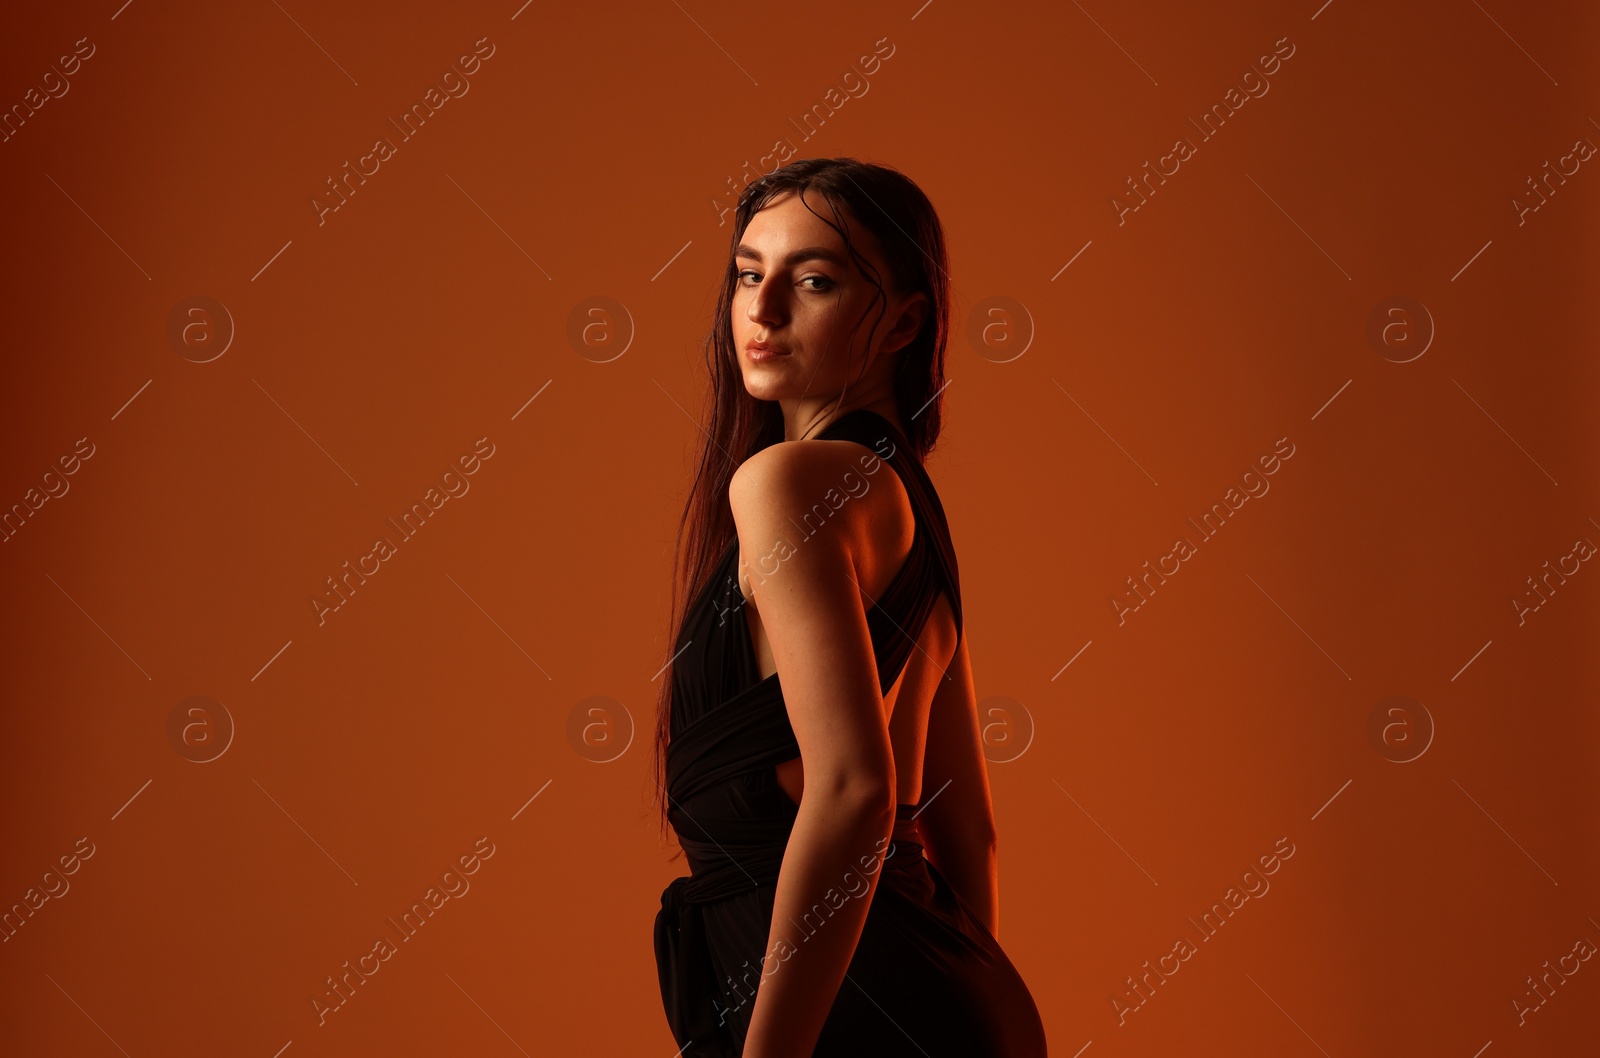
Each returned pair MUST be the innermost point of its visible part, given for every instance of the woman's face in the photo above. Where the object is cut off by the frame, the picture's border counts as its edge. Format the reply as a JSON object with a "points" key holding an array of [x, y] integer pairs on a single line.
{"points": [[799, 291]]}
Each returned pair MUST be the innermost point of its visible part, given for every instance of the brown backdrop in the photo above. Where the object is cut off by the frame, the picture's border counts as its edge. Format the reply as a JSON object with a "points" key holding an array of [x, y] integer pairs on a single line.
{"points": [[1345, 319]]}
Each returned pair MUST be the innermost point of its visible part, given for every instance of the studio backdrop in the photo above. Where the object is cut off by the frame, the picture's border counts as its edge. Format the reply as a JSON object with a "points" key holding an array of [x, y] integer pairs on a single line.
{"points": [[353, 376]]}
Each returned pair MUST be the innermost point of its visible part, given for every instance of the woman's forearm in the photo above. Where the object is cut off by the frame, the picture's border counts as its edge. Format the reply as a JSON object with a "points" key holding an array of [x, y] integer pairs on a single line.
{"points": [[974, 876], [829, 876]]}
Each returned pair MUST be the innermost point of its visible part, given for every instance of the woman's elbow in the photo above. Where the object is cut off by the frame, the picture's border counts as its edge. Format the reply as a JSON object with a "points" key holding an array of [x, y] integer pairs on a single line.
{"points": [[858, 792]]}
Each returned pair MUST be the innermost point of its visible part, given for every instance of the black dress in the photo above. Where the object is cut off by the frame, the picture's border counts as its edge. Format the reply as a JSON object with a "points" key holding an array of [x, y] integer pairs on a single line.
{"points": [[927, 978]]}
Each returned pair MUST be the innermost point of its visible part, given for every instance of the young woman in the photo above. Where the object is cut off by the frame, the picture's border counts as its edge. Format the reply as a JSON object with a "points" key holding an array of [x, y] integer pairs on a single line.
{"points": [[817, 743]]}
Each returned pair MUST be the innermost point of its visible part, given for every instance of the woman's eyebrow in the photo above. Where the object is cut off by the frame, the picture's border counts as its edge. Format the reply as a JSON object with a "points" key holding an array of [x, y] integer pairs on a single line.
{"points": [[807, 253]]}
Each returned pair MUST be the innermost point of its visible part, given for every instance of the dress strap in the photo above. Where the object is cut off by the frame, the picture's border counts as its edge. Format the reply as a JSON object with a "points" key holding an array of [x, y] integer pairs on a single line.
{"points": [[867, 427], [909, 600]]}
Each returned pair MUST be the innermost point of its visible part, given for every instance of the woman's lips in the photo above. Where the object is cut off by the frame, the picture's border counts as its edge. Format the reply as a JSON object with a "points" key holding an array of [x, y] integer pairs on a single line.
{"points": [[758, 351]]}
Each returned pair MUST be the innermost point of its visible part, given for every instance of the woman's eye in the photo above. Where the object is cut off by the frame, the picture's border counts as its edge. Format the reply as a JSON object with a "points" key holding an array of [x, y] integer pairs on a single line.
{"points": [[824, 283]]}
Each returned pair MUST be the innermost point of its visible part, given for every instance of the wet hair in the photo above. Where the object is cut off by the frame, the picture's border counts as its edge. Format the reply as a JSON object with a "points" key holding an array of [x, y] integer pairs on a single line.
{"points": [[878, 199]]}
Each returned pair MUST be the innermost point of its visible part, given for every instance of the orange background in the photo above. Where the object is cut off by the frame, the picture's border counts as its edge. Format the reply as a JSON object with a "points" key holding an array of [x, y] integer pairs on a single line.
{"points": [[370, 351]]}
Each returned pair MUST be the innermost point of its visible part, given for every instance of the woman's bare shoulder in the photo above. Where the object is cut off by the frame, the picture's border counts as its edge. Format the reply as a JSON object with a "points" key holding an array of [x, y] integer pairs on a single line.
{"points": [[794, 489]]}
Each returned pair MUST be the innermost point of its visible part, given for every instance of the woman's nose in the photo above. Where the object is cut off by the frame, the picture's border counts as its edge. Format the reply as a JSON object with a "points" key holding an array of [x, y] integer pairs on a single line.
{"points": [[766, 306]]}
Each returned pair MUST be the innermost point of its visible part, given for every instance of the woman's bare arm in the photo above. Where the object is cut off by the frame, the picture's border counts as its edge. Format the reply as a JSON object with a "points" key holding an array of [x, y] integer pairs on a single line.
{"points": [[958, 830], [815, 619]]}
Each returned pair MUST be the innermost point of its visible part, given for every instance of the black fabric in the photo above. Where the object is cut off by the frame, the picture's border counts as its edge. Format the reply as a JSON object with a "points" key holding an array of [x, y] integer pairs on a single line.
{"points": [[927, 978]]}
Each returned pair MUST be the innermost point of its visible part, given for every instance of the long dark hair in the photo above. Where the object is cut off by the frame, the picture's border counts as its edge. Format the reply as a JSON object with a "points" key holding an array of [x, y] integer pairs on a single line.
{"points": [[886, 203]]}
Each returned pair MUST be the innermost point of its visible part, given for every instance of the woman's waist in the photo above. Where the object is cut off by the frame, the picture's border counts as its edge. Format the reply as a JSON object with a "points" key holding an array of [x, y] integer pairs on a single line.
{"points": [[719, 869]]}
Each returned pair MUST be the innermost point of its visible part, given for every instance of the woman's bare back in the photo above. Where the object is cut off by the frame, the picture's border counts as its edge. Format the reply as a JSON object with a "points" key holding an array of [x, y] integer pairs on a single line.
{"points": [[884, 544]]}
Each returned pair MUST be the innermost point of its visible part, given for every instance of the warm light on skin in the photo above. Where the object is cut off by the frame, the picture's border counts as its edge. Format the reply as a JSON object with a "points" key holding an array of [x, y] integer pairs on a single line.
{"points": [[799, 289]]}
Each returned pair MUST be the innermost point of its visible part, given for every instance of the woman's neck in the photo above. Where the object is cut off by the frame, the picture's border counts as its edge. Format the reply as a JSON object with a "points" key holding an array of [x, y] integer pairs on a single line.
{"points": [[821, 419]]}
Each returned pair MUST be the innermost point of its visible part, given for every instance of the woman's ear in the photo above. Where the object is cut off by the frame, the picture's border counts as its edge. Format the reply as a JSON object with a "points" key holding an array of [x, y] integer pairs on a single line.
{"points": [[908, 323]]}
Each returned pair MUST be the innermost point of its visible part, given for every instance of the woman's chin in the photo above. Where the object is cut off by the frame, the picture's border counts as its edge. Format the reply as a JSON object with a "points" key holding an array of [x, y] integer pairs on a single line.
{"points": [[764, 383]]}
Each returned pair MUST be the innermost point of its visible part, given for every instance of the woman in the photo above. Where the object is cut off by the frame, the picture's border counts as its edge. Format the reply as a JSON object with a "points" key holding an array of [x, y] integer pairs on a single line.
{"points": [[818, 734]]}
